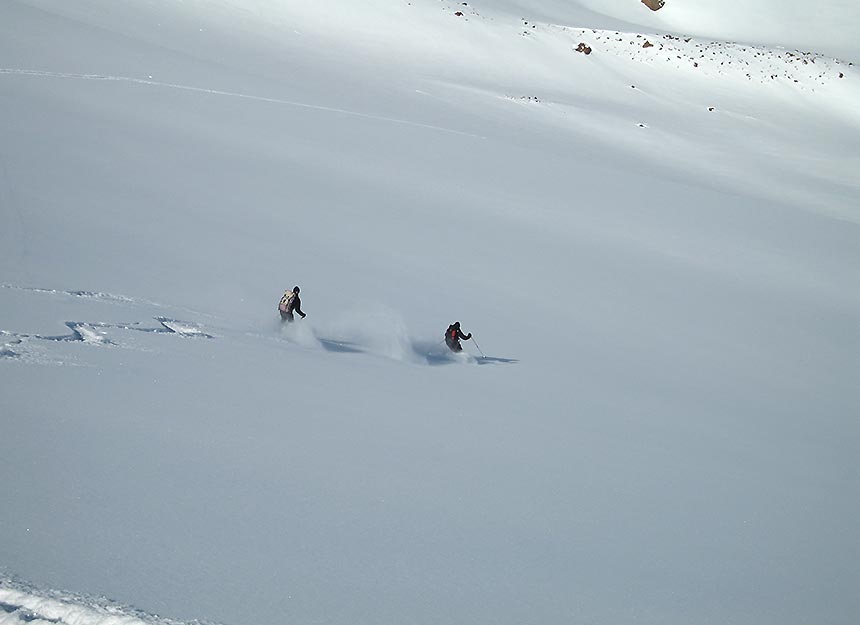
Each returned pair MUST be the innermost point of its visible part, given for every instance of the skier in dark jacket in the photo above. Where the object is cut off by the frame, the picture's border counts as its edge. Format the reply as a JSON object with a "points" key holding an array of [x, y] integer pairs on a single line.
{"points": [[290, 303], [453, 335]]}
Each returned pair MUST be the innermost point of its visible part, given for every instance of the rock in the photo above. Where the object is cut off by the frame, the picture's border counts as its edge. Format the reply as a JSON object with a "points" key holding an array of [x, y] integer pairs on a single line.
{"points": [[654, 5], [584, 48]]}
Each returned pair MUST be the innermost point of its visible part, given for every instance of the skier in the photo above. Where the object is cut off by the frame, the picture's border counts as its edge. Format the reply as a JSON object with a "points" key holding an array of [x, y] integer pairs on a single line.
{"points": [[290, 302], [453, 335]]}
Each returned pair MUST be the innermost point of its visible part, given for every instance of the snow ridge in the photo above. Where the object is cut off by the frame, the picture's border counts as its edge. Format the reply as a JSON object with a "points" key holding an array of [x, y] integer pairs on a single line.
{"points": [[21, 604]]}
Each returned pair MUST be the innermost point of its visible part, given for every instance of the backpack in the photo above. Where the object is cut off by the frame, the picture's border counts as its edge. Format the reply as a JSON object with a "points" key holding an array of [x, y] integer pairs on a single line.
{"points": [[451, 335], [286, 301]]}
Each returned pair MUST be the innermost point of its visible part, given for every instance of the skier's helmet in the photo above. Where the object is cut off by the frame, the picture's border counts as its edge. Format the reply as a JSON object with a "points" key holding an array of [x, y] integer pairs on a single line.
{"points": [[296, 289]]}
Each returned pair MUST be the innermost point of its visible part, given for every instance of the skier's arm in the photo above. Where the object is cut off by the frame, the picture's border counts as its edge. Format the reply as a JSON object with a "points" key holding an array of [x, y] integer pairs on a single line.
{"points": [[298, 307], [465, 337]]}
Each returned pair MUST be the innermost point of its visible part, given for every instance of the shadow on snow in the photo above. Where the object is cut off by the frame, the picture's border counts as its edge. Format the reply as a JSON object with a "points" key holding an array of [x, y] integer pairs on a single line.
{"points": [[422, 352]]}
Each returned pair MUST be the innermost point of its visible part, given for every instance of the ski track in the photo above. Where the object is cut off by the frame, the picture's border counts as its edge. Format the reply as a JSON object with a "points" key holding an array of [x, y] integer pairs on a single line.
{"points": [[15, 346], [230, 94], [107, 297], [415, 351], [27, 347], [110, 297], [92, 332]]}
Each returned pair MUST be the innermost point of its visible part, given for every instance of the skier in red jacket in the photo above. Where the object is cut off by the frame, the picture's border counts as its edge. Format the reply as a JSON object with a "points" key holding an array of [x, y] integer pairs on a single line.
{"points": [[453, 335]]}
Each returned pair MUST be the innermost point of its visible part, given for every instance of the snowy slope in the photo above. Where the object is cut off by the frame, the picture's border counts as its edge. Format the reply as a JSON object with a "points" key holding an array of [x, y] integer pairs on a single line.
{"points": [[656, 248]]}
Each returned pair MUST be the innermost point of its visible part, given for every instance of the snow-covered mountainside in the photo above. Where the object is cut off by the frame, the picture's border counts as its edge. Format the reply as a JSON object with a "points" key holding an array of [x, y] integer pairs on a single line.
{"points": [[648, 220]]}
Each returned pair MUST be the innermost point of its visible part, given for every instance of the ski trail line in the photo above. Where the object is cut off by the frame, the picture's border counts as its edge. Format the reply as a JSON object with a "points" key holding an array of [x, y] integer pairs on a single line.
{"points": [[112, 298], [230, 94]]}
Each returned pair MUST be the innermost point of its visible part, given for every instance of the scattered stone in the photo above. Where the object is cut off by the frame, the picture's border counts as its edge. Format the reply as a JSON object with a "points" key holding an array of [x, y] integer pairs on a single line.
{"points": [[524, 98], [841, 75], [459, 14], [647, 44], [584, 48], [711, 108]]}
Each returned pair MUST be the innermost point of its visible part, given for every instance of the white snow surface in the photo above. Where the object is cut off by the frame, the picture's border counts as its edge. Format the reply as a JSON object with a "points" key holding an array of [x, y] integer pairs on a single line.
{"points": [[26, 606], [657, 248]]}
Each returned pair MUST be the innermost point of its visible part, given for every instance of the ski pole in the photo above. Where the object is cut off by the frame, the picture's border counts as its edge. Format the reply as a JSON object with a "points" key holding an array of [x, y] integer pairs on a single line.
{"points": [[479, 347]]}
